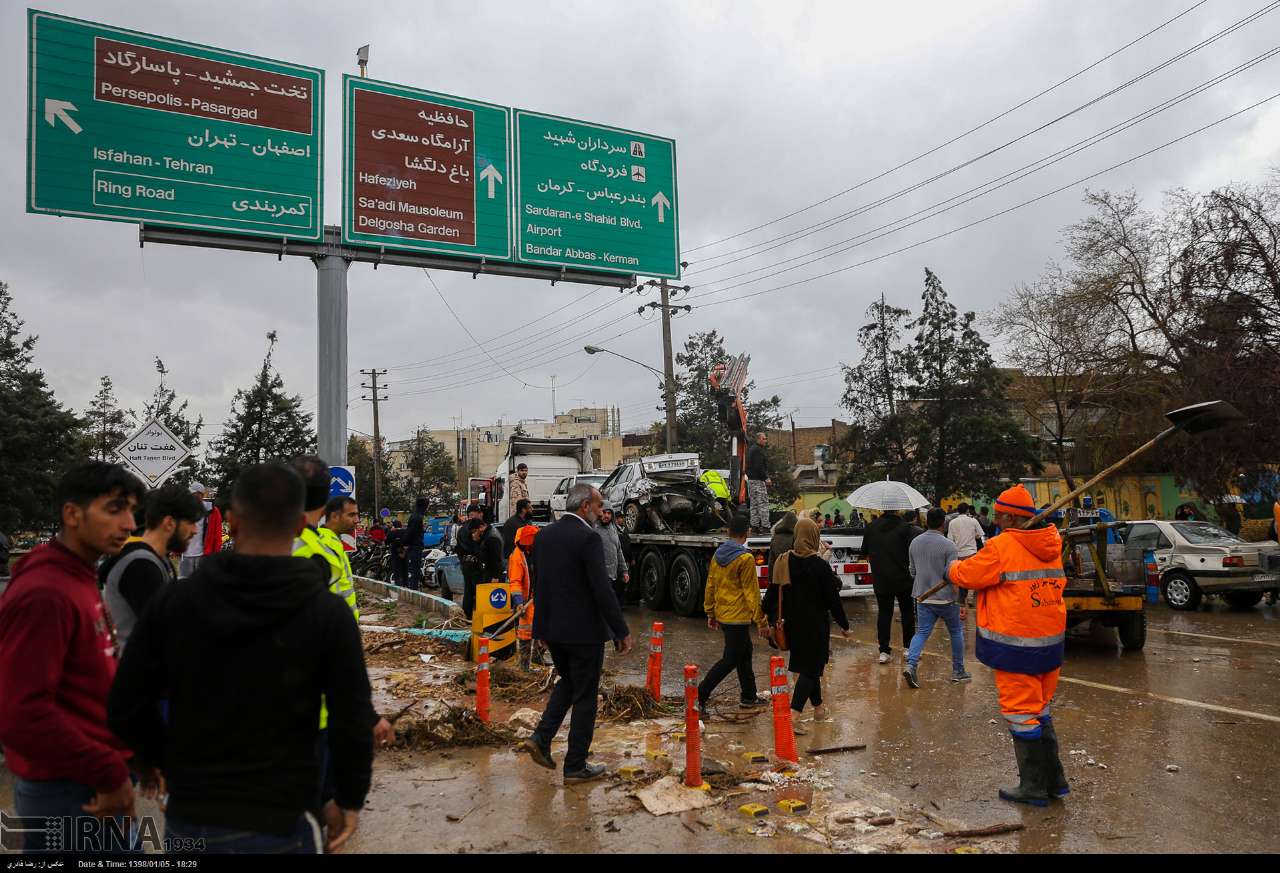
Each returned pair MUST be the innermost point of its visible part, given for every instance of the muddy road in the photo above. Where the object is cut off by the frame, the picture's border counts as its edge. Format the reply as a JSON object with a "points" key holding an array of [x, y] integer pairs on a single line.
{"points": [[1172, 749]]}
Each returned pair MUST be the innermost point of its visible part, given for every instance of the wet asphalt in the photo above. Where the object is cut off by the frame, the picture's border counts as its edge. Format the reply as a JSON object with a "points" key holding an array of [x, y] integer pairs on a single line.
{"points": [[1202, 697], [1171, 749]]}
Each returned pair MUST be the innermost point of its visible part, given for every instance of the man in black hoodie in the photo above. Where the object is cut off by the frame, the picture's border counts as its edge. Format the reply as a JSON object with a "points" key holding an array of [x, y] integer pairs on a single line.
{"points": [[886, 543], [242, 651]]}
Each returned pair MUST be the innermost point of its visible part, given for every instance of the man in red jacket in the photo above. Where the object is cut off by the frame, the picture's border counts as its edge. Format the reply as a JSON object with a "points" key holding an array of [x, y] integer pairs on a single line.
{"points": [[57, 662]]}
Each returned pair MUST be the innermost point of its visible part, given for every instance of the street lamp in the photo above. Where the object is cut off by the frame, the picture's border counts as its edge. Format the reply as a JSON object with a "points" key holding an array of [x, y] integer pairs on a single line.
{"points": [[662, 383]]}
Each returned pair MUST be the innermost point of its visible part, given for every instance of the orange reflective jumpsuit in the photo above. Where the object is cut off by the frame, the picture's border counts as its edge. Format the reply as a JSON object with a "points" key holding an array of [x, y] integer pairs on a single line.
{"points": [[519, 582], [1022, 619]]}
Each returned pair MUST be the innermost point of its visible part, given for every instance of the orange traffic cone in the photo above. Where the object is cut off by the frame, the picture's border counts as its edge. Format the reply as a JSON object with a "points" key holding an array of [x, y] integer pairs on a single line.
{"points": [[784, 738], [653, 678], [692, 737]]}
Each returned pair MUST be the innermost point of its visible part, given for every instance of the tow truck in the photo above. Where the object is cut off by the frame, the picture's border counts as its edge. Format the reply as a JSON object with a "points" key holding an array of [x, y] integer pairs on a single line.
{"points": [[1105, 583]]}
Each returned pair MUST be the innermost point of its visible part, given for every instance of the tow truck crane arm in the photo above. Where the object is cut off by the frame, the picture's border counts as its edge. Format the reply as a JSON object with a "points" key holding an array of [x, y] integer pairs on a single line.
{"points": [[728, 380]]}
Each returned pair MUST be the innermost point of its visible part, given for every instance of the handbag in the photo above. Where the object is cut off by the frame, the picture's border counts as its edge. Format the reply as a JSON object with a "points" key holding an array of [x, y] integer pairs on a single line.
{"points": [[778, 638]]}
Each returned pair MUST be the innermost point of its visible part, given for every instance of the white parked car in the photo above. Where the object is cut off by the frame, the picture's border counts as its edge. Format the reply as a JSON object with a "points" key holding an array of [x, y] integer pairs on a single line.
{"points": [[1196, 559], [560, 496]]}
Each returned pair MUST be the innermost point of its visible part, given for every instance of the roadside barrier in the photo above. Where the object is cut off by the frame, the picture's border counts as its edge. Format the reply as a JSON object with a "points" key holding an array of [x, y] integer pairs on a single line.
{"points": [[482, 680], [784, 738], [692, 734], [653, 678]]}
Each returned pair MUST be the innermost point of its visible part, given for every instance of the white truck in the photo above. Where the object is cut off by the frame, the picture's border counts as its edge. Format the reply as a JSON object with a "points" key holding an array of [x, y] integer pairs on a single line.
{"points": [[550, 461], [670, 569]]}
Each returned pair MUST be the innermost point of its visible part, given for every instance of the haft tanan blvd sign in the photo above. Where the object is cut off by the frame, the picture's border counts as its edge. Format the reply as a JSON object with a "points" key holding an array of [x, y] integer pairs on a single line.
{"points": [[129, 126], [154, 453]]}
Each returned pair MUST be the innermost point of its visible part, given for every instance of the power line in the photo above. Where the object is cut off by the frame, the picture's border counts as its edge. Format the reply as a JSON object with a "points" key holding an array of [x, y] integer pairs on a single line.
{"points": [[486, 379], [788, 238], [995, 215], [959, 137], [991, 185]]}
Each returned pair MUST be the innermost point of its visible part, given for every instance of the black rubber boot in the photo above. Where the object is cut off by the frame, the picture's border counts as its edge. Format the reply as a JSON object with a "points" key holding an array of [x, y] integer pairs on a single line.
{"points": [[1057, 778], [1032, 785]]}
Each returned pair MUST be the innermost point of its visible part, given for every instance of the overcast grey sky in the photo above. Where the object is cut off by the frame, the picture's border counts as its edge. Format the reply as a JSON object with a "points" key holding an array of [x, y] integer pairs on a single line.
{"points": [[774, 106]]}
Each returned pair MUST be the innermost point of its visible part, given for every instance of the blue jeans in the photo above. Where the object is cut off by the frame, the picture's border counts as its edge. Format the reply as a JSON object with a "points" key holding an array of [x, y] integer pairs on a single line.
{"points": [[56, 822], [187, 838], [927, 615]]}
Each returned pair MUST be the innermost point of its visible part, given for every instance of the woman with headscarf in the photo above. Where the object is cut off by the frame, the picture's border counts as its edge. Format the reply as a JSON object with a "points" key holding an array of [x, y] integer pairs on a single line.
{"points": [[809, 593], [784, 534]]}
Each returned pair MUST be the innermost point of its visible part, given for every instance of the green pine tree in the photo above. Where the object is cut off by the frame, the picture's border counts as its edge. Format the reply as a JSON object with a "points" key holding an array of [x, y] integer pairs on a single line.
{"points": [[959, 429], [265, 423], [874, 391], [107, 425], [39, 438], [164, 405]]}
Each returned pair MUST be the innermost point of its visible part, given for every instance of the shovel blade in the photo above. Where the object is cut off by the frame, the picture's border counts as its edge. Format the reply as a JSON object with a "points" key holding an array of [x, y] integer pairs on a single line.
{"points": [[1201, 417]]}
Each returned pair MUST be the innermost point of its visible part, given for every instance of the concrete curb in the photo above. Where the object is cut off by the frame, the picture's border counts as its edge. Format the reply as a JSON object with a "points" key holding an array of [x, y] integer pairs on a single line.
{"points": [[429, 602]]}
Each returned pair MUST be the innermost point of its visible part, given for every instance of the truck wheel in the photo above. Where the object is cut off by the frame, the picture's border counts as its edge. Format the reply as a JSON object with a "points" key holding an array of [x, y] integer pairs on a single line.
{"points": [[653, 580], [1133, 631], [686, 584], [633, 518], [1181, 592], [1243, 599]]}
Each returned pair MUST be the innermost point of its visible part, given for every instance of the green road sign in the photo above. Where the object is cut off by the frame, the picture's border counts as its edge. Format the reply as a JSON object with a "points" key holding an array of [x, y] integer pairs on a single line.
{"points": [[425, 172], [133, 127], [595, 197]]}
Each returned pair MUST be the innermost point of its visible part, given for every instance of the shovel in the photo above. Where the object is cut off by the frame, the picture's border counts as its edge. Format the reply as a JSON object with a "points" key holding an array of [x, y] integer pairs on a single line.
{"points": [[1195, 419]]}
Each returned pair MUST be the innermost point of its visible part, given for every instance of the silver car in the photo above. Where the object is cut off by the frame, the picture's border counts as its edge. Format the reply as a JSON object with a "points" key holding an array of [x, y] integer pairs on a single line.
{"points": [[1196, 559]]}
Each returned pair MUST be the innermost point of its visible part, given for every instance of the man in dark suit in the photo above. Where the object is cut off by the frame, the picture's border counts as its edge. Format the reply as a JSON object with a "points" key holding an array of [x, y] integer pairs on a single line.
{"points": [[576, 614]]}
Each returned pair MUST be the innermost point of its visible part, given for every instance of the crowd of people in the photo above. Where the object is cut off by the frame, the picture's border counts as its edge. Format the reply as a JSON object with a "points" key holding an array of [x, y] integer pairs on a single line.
{"points": [[237, 693], [235, 688]]}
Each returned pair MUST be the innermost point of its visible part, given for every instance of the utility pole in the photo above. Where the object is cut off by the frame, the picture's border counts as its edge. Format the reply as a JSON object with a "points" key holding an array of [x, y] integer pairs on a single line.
{"points": [[374, 388], [668, 363], [553, 400]]}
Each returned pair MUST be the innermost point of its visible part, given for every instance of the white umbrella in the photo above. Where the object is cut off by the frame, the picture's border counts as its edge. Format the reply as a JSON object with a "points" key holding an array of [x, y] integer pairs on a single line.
{"points": [[887, 495]]}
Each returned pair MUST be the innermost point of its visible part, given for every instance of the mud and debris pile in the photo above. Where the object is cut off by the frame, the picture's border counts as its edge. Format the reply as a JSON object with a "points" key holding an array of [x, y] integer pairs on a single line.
{"points": [[403, 650], [630, 702], [438, 723]]}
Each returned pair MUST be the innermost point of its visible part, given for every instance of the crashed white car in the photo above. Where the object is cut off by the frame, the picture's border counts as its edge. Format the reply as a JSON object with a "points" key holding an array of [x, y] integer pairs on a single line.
{"points": [[663, 493]]}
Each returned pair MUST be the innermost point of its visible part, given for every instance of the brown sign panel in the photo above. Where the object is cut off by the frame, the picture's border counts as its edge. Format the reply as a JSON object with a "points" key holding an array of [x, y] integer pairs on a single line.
{"points": [[137, 75], [414, 169]]}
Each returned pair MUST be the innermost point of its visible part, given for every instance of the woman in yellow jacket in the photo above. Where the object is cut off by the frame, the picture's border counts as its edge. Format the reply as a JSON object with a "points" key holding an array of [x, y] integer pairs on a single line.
{"points": [[732, 603]]}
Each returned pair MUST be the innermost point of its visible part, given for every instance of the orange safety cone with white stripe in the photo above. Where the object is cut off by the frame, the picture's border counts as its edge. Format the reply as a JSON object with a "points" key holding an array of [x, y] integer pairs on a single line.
{"points": [[784, 738], [692, 735], [482, 680], [653, 678]]}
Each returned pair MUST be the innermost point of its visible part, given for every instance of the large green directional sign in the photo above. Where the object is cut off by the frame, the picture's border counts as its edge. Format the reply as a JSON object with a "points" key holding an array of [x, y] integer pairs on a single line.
{"points": [[134, 127], [424, 171], [430, 172], [594, 197]]}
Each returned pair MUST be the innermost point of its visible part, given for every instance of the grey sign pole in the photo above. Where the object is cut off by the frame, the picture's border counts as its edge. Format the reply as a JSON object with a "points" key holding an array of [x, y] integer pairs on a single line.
{"points": [[331, 351]]}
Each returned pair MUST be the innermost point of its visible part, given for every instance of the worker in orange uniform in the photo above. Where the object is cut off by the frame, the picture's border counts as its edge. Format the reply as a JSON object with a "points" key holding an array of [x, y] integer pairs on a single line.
{"points": [[1022, 623], [521, 587]]}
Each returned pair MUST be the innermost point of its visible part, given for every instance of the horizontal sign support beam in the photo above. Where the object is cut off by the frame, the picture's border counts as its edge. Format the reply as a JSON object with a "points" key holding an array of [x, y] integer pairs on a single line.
{"points": [[333, 246]]}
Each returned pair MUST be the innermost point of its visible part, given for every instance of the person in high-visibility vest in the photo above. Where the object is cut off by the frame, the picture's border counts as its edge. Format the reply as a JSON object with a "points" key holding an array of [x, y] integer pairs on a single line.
{"points": [[1022, 623], [341, 514], [521, 587], [310, 545]]}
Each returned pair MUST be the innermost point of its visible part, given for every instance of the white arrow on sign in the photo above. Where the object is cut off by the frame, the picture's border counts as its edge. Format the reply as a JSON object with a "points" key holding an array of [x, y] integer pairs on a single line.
{"points": [[491, 175], [57, 109], [660, 200]]}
